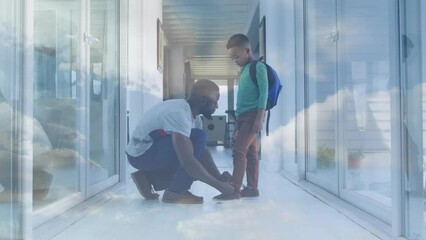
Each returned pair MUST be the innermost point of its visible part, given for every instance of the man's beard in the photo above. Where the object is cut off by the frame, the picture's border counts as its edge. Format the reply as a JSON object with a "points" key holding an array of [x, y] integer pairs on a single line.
{"points": [[208, 116], [206, 113]]}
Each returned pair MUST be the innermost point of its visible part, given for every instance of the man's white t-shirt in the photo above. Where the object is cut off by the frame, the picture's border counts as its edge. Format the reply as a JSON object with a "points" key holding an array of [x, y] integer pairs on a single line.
{"points": [[171, 116]]}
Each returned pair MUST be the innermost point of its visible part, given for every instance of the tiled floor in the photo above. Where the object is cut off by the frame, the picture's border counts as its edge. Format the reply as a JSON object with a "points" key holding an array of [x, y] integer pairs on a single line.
{"points": [[283, 211]]}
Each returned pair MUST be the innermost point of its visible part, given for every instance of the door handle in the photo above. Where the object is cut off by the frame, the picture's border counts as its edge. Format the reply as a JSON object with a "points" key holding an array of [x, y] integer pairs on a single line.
{"points": [[89, 39], [334, 36]]}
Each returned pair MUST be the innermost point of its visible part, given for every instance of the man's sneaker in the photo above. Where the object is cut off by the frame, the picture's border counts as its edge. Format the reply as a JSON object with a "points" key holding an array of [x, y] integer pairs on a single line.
{"points": [[188, 193], [249, 192], [184, 197], [143, 185], [233, 196]]}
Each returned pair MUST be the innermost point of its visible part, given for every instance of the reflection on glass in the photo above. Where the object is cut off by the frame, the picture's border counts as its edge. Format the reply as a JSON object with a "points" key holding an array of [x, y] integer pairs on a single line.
{"points": [[103, 96], [10, 206], [321, 85], [56, 111], [367, 112]]}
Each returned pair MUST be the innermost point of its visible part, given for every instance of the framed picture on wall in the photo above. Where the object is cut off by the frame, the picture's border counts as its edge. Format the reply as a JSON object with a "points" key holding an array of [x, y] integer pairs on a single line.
{"points": [[160, 46], [262, 38]]}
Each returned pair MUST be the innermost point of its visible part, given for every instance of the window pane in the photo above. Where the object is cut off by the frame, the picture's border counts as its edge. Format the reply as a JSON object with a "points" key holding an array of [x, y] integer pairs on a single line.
{"points": [[104, 91], [322, 94], [367, 117], [10, 207], [56, 102]]}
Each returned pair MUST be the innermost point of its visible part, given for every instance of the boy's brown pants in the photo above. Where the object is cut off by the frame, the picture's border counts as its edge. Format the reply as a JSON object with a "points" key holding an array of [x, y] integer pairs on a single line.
{"points": [[245, 153]]}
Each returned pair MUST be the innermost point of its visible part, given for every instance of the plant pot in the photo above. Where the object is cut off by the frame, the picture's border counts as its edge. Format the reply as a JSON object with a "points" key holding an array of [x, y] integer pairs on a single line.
{"points": [[354, 163]]}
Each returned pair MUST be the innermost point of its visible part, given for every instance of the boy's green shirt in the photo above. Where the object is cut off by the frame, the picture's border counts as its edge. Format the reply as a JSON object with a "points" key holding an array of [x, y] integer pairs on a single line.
{"points": [[249, 97]]}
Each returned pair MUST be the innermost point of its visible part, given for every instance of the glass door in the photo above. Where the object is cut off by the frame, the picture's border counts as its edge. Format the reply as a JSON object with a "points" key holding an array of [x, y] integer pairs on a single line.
{"points": [[11, 197], [103, 106], [58, 97], [413, 64], [321, 92], [371, 123], [352, 101], [75, 103]]}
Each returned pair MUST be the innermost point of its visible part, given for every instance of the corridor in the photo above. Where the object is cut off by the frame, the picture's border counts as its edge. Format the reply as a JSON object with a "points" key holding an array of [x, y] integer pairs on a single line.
{"points": [[283, 211], [346, 153]]}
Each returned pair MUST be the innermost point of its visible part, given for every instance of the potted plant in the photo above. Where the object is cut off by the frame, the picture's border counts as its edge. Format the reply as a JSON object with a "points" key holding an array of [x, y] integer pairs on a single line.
{"points": [[325, 157], [355, 158]]}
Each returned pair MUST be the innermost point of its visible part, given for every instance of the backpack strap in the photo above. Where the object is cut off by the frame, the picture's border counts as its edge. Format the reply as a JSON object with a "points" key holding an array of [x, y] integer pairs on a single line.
{"points": [[252, 71], [267, 122]]}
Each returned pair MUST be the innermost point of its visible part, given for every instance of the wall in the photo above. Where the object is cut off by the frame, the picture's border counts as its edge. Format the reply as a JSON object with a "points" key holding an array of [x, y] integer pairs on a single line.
{"points": [[177, 60], [278, 149], [145, 81], [152, 78]]}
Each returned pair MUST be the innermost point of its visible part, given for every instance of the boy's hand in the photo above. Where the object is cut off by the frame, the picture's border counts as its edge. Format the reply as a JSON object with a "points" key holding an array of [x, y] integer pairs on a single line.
{"points": [[257, 124], [235, 134]]}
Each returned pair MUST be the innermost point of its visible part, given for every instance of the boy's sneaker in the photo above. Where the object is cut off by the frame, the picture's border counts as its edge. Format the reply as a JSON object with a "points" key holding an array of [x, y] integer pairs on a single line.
{"points": [[233, 196], [249, 192], [143, 185], [184, 197]]}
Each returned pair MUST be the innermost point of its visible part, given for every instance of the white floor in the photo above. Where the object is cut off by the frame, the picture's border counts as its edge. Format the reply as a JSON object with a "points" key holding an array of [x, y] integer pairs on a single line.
{"points": [[283, 211]]}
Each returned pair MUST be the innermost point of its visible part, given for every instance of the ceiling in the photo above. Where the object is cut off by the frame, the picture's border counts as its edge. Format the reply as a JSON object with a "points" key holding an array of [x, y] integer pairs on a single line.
{"points": [[202, 28]]}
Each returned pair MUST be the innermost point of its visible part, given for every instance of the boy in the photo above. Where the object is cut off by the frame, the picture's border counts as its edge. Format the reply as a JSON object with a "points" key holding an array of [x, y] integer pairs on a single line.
{"points": [[251, 104]]}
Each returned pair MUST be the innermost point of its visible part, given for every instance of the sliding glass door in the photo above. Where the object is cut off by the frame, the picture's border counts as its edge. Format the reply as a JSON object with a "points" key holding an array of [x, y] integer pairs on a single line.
{"points": [[75, 103], [352, 100], [321, 93], [413, 65], [11, 197], [371, 120], [103, 41]]}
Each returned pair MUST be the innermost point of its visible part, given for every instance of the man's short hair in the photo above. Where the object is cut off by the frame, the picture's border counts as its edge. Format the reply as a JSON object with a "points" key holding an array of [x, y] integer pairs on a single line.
{"points": [[238, 40], [202, 88]]}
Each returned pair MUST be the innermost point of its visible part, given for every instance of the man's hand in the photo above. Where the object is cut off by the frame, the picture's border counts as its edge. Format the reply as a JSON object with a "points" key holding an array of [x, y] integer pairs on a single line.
{"points": [[226, 177], [226, 188], [184, 151]]}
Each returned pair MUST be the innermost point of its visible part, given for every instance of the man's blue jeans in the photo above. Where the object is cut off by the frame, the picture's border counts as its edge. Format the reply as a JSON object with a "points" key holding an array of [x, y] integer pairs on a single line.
{"points": [[162, 165]]}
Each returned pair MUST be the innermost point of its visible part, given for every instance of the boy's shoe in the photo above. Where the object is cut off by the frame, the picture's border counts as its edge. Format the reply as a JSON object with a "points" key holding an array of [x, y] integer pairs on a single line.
{"points": [[143, 185], [184, 197], [249, 192], [233, 196]]}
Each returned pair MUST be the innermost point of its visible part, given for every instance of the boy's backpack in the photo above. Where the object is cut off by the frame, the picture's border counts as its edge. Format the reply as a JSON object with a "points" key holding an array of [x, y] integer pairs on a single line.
{"points": [[274, 87]]}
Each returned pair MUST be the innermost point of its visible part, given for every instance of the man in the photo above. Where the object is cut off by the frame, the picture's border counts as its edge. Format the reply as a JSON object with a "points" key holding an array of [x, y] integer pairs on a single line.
{"points": [[170, 153]]}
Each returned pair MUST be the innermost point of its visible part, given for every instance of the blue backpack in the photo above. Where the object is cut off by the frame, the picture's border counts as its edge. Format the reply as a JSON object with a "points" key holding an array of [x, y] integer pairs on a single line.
{"points": [[274, 88]]}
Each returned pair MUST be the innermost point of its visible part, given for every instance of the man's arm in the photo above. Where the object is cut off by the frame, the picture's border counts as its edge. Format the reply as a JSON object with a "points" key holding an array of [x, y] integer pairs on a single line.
{"points": [[185, 154], [210, 165]]}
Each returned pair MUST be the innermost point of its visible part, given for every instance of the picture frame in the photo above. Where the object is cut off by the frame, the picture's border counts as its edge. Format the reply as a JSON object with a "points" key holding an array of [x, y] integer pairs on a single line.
{"points": [[160, 46], [262, 38]]}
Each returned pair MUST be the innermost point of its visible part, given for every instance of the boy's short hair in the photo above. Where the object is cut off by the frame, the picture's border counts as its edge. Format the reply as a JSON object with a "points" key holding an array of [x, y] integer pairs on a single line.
{"points": [[238, 40]]}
